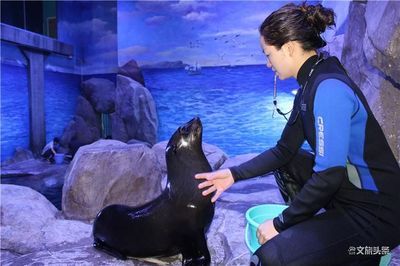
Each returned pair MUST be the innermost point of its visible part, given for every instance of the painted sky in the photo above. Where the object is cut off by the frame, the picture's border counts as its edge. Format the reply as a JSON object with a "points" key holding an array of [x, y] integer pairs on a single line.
{"points": [[211, 32], [106, 34]]}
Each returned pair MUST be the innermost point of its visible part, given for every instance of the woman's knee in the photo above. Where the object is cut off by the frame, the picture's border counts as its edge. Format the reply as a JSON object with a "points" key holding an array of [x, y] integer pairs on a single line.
{"points": [[267, 254]]}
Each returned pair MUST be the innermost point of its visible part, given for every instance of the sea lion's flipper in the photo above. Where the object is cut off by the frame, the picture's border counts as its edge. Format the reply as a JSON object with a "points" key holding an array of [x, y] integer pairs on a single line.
{"points": [[100, 245], [196, 252]]}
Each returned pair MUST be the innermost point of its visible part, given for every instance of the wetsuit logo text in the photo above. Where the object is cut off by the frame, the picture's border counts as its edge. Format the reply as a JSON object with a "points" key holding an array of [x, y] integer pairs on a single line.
{"points": [[321, 143]]}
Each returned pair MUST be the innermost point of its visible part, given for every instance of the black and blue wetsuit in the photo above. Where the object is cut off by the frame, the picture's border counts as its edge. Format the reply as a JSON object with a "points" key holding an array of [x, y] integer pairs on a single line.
{"points": [[353, 175]]}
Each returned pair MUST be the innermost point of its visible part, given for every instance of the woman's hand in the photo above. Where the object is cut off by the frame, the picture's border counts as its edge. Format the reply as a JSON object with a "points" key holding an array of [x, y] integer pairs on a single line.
{"points": [[218, 181], [266, 231]]}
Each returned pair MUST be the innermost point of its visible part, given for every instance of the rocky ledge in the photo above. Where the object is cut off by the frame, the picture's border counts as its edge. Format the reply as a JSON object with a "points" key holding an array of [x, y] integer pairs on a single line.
{"points": [[34, 232]]}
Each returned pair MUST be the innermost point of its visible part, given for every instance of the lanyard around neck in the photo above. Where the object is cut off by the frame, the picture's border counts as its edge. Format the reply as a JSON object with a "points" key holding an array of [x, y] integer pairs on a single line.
{"points": [[275, 101]]}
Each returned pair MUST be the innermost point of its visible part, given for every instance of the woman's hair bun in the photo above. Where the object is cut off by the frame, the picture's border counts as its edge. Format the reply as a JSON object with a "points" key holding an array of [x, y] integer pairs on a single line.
{"points": [[298, 22], [318, 16]]}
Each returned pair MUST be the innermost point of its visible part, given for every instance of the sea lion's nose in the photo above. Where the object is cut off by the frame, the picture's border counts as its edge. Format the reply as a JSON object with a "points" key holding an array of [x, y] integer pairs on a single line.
{"points": [[196, 121]]}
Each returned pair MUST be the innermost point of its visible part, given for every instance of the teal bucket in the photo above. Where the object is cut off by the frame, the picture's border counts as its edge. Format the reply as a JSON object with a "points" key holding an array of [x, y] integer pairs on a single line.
{"points": [[257, 215], [385, 260]]}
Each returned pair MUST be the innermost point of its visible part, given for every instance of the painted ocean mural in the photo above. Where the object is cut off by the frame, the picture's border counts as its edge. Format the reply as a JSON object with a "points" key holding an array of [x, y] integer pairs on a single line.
{"points": [[234, 103], [232, 94], [61, 92]]}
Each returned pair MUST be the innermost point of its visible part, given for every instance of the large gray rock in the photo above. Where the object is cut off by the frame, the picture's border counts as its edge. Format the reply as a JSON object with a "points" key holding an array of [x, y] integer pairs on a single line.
{"points": [[335, 46], [100, 93], [159, 151], [85, 110], [136, 142], [371, 54], [239, 159], [78, 133], [34, 210], [225, 237], [215, 156], [132, 70], [29, 222], [135, 112], [83, 129], [109, 172], [39, 175]]}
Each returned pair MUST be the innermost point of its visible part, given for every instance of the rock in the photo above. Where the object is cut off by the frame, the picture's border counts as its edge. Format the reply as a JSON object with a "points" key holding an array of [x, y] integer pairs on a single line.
{"points": [[6, 255], [239, 159], [159, 151], [29, 222], [82, 254], [26, 206], [85, 110], [78, 133], [135, 112], [383, 33], [83, 129], [371, 57], [39, 175], [215, 156], [117, 173], [335, 46], [20, 155], [100, 93], [138, 142], [118, 128], [65, 231], [132, 70], [225, 237]]}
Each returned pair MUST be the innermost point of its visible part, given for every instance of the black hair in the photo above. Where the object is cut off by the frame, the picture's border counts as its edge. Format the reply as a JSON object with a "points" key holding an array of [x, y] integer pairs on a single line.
{"points": [[303, 23], [56, 140]]}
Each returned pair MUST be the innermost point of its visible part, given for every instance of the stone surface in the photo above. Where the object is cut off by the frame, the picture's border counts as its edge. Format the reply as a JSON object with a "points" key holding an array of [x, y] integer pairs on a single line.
{"points": [[237, 160], [335, 46], [78, 133], [85, 110], [39, 175], [29, 222], [371, 55], [135, 142], [225, 236], [109, 172], [133, 71], [24, 205], [135, 112], [383, 33], [215, 156], [159, 151], [100, 93]]}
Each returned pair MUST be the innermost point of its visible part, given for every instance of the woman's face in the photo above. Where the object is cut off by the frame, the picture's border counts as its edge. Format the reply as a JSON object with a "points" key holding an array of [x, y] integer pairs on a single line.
{"points": [[278, 60]]}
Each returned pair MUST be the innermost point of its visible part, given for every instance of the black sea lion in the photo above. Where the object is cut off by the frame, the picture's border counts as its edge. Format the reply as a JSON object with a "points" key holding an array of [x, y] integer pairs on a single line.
{"points": [[173, 223]]}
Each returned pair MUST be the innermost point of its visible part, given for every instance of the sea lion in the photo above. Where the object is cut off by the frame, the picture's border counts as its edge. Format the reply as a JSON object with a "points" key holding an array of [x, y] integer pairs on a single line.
{"points": [[173, 223]]}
